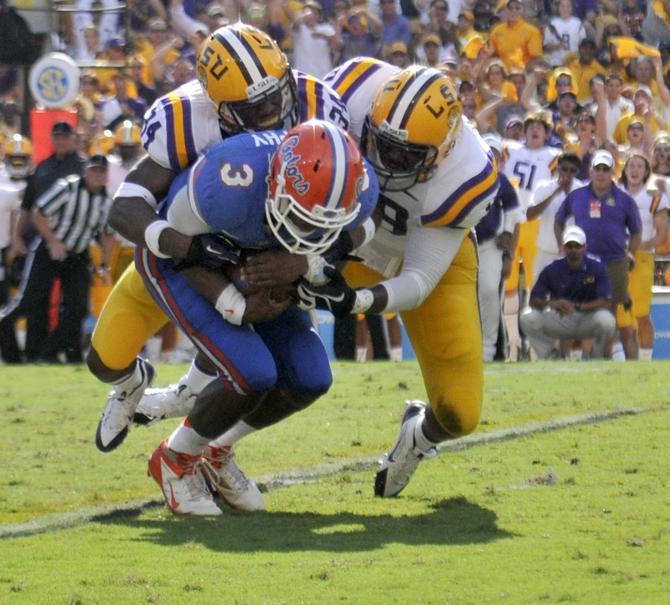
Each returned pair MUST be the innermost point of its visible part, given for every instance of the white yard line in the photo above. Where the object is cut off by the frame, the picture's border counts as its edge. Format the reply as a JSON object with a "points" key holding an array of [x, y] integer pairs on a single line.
{"points": [[307, 475]]}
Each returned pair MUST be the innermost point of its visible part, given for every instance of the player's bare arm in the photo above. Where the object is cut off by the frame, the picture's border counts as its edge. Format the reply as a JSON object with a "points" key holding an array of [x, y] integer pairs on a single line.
{"points": [[132, 214]]}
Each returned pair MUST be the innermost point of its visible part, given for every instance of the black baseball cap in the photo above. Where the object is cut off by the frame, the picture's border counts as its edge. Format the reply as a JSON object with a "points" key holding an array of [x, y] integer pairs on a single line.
{"points": [[97, 161], [62, 127]]}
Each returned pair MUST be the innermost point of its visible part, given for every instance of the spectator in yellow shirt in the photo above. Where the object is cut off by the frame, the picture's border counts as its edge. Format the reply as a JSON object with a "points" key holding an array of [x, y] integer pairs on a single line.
{"points": [[642, 100], [584, 67], [515, 41]]}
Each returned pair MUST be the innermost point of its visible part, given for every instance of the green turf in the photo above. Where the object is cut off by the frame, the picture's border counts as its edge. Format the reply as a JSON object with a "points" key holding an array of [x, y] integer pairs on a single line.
{"points": [[577, 515]]}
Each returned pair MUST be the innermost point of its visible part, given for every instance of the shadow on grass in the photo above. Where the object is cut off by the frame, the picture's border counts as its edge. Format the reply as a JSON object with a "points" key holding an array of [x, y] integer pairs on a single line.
{"points": [[452, 521]]}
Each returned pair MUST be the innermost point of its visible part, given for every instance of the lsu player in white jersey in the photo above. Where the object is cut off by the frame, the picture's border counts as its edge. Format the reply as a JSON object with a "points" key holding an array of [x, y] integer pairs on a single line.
{"points": [[526, 164], [245, 84], [437, 178], [653, 206]]}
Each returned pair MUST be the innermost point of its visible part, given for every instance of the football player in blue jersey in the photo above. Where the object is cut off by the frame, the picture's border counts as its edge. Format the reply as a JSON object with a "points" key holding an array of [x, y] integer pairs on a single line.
{"points": [[245, 84], [294, 192]]}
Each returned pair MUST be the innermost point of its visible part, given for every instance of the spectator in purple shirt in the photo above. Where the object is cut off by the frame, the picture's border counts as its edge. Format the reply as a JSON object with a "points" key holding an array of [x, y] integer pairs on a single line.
{"points": [[570, 300], [395, 27], [611, 220]]}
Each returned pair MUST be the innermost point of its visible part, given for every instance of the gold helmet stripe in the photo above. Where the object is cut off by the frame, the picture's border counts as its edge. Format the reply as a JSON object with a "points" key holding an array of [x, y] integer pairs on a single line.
{"points": [[248, 63], [406, 100]]}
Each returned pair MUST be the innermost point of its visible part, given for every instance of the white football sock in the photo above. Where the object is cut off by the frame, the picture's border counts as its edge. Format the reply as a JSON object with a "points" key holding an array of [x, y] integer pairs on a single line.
{"points": [[196, 379], [130, 380], [233, 434], [396, 354], [645, 354], [186, 440]]}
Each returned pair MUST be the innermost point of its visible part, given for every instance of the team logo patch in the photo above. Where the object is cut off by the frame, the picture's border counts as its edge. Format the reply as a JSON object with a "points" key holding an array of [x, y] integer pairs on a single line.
{"points": [[290, 161]]}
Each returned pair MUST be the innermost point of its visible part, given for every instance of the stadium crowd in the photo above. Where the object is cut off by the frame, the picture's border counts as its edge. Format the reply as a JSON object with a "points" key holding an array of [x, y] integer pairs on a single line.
{"points": [[548, 83]]}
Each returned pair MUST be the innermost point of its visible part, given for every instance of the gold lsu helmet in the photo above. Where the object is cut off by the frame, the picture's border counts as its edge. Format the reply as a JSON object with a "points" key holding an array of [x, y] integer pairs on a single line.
{"points": [[127, 133], [411, 126], [17, 151], [101, 144], [248, 78]]}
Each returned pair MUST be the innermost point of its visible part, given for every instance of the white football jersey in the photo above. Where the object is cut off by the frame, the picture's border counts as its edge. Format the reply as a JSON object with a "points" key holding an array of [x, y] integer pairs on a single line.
{"points": [[570, 34], [546, 239], [184, 123], [525, 168], [649, 204], [457, 196]]}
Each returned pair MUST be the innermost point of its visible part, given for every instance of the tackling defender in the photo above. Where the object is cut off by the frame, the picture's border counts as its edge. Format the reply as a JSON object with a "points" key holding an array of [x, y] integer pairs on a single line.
{"points": [[437, 178], [297, 196], [245, 84]]}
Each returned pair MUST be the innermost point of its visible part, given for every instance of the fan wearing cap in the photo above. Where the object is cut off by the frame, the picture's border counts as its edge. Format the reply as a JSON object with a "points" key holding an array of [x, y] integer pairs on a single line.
{"points": [[398, 55], [611, 220], [643, 111], [526, 164], [496, 233], [571, 300], [516, 41]]}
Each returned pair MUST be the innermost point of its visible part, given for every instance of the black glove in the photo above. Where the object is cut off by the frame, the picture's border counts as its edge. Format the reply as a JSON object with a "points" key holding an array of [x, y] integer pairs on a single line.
{"points": [[336, 296], [211, 251]]}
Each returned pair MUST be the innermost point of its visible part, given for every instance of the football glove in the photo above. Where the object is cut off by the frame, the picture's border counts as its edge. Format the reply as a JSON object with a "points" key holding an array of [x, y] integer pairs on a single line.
{"points": [[211, 251], [336, 296]]}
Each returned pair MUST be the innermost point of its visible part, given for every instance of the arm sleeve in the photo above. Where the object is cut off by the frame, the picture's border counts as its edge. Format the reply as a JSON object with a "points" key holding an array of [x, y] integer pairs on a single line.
{"points": [[429, 253]]}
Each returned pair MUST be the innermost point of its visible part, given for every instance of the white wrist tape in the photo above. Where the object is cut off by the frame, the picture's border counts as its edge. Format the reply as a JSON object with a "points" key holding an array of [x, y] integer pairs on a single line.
{"points": [[370, 230], [364, 300], [315, 266], [231, 305], [151, 236], [136, 190]]}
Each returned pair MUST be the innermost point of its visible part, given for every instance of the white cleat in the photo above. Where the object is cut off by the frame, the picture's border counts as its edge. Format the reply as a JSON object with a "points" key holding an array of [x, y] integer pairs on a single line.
{"points": [[182, 482], [397, 467], [174, 401], [118, 413], [229, 481]]}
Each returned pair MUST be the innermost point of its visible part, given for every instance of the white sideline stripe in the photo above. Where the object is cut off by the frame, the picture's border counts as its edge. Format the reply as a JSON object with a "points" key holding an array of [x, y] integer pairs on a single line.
{"points": [[307, 475]]}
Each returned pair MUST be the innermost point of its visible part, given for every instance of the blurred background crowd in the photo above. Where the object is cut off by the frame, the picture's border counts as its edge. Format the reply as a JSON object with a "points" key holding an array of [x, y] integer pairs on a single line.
{"points": [[594, 72]]}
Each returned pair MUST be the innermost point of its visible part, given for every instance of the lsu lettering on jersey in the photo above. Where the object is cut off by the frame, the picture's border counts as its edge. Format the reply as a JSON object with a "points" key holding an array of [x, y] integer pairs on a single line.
{"points": [[525, 168], [224, 192], [183, 124]]}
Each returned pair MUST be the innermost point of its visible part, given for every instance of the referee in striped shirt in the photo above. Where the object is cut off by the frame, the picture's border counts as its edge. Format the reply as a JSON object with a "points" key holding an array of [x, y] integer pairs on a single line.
{"points": [[68, 217]]}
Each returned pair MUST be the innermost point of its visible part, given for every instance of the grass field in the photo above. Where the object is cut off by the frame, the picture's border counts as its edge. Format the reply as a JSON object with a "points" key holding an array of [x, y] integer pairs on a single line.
{"points": [[562, 496]]}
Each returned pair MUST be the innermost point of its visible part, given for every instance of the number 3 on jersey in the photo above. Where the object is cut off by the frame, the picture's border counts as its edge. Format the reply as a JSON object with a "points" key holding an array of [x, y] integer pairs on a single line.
{"points": [[237, 178]]}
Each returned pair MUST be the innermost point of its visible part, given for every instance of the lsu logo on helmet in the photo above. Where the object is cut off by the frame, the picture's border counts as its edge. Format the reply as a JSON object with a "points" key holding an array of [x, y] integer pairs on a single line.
{"points": [[411, 127], [248, 78]]}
